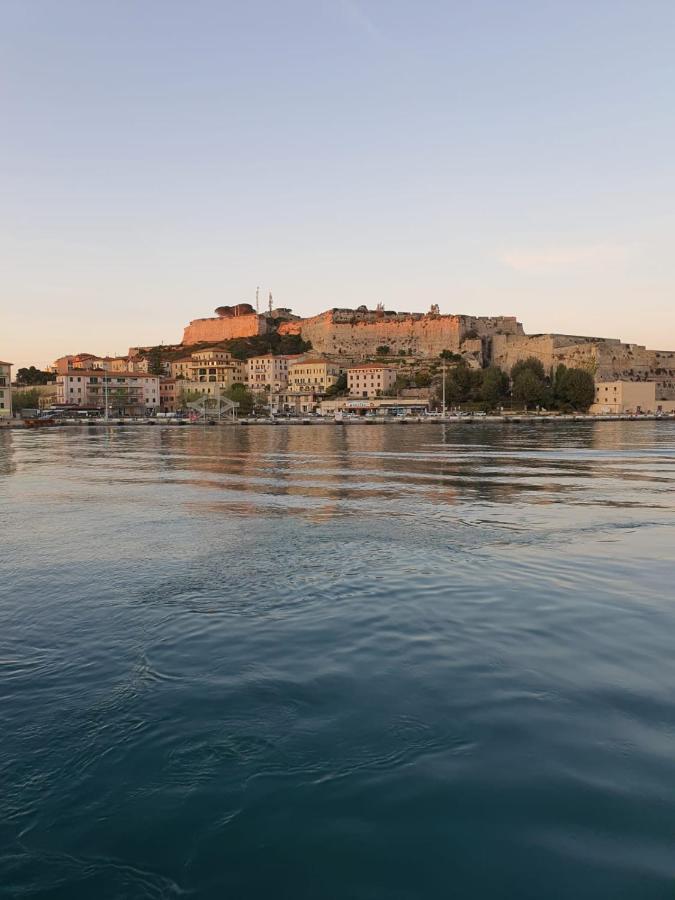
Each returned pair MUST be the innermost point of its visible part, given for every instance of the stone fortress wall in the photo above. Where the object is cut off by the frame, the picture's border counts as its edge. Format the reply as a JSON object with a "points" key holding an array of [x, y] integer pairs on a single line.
{"points": [[223, 328], [356, 334], [607, 358], [360, 332]]}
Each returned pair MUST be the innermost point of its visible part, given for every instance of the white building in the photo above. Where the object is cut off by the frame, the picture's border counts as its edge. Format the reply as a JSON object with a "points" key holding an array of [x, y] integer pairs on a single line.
{"points": [[126, 393], [5, 390]]}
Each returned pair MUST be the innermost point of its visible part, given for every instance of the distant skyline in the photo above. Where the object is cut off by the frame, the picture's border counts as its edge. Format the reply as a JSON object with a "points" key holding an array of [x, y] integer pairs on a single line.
{"points": [[161, 159]]}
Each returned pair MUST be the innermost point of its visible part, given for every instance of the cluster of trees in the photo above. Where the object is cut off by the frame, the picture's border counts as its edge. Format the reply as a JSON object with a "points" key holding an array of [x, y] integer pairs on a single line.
{"points": [[238, 393], [28, 399], [566, 389], [32, 375], [278, 344]]}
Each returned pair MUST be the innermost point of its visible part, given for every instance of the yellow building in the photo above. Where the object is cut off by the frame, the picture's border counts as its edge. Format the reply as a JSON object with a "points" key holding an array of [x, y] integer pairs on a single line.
{"points": [[5, 390], [182, 368], [269, 372], [616, 397], [312, 376]]}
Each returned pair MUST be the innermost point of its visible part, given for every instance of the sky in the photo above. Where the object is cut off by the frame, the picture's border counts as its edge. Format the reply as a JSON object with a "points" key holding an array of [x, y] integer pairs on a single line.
{"points": [[164, 157]]}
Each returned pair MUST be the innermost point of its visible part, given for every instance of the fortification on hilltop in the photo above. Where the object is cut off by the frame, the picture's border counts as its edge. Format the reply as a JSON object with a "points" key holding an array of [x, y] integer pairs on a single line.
{"points": [[229, 322], [359, 332]]}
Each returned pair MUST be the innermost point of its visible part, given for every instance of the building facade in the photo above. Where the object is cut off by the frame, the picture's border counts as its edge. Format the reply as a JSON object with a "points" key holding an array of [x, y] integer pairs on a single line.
{"points": [[312, 375], [370, 380], [270, 373], [126, 393], [5, 390], [616, 397]]}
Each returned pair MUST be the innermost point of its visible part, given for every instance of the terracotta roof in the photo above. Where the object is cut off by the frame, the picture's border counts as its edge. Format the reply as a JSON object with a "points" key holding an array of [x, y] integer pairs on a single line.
{"points": [[5, 363]]}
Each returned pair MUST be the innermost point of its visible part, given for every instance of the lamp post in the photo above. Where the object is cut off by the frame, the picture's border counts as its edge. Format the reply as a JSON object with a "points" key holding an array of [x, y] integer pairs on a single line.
{"points": [[443, 390]]}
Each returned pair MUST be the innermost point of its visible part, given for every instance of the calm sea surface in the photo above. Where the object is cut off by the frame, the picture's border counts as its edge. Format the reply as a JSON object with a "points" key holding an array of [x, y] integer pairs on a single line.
{"points": [[365, 662]]}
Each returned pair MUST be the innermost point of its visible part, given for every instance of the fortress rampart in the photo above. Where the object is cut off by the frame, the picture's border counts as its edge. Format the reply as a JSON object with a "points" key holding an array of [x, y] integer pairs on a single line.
{"points": [[359, 333], [224, 328]]}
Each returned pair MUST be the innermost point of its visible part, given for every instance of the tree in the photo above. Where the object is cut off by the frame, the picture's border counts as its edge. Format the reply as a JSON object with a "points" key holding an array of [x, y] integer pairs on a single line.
{"points": [[383, 350], [463, 384], [338, 387], [450, 356], [558, 382], [422, 379], [186, 396], [531, 364], [155, 361], [495, 385], [577, 389], [29, 399], [528, 388], [240, 394], [31, 375], [402, 382]]}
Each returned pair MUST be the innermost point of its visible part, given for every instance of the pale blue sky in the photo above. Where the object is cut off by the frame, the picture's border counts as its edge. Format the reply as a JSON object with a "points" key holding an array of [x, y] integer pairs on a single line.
{"points": [[160, 158]]}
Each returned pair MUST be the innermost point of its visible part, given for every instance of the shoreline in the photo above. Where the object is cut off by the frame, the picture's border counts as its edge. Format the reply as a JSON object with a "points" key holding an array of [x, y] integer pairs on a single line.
{"points": [[361, 421]]}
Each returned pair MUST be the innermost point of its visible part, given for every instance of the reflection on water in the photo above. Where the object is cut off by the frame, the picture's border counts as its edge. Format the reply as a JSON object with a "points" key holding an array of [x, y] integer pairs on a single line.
{"points": [[353, 661]]}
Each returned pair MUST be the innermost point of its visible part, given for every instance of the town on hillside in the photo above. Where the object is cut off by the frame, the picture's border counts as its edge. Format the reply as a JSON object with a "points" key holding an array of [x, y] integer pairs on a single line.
{"points": [[354, 362]]}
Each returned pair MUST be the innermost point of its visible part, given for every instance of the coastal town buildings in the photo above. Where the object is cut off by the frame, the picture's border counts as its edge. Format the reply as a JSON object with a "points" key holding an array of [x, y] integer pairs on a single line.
{"points": [[370, 379], [217, 367], [270, 373], [315, 375], [308, 381], [5, 390], [126, 393]]}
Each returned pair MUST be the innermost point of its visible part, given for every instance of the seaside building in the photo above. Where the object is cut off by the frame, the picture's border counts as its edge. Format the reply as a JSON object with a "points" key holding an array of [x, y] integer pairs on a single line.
{"points": [[312, 375], [616, 397], [269, 372], [217, 367], [370, 379], [375, 406], [169, 394], [127, 393], [5, 390]]}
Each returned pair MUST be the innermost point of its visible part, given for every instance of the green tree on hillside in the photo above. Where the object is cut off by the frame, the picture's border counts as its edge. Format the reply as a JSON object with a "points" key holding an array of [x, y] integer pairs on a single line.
{"points": [[495, 385], [32, 375], [338, 387], [155, 361], [529, 388], [240, 394], [577, 389], [531, 364], [463, 384], [29, 399]]}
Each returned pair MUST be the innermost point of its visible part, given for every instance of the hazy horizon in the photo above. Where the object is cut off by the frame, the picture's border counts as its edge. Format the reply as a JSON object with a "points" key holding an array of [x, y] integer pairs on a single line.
{"points": [[161, 160]]}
